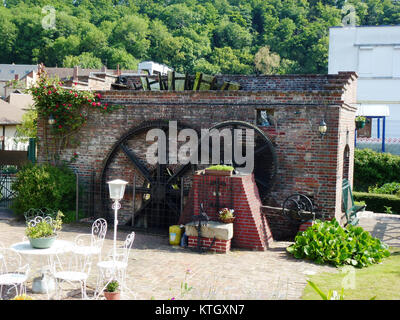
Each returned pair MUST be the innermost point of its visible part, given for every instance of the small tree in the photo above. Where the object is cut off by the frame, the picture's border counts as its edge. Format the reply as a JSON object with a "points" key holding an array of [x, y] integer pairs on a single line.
{"points": [[266, 61]]}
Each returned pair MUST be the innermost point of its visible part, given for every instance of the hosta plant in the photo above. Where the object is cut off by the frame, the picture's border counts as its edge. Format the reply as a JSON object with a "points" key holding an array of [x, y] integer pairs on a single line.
{"points": [[328, 243]]}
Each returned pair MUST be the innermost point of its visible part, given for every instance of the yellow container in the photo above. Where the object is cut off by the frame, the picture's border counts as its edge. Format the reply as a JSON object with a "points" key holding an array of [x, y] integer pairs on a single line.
{"points": [[175, 233]]}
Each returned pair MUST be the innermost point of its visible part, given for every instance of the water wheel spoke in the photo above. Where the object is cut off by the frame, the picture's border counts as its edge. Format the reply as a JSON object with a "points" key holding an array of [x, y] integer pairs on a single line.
{"points": [[136, 161], [181, 170], [260, 149], [172, 206]]}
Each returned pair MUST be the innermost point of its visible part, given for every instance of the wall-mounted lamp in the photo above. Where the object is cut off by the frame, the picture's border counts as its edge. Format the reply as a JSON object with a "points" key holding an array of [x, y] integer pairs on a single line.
{"points": [[322, 128], [51, 120]]}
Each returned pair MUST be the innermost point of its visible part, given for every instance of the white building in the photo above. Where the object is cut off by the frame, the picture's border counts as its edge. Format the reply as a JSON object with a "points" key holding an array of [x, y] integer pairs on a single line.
{"points": [[374, 53], [153, 67]]}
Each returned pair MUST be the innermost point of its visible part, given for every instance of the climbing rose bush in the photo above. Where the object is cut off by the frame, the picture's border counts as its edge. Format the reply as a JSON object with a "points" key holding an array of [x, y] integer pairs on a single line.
{"points": [[68, 106]]}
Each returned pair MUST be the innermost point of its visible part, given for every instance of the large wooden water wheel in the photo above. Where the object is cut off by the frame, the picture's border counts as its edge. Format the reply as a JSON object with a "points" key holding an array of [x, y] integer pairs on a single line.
{"points": [[155, 193]]}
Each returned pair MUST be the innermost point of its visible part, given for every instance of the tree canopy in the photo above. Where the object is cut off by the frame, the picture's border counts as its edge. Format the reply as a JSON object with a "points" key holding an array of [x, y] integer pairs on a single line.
{"points": [[212, 36]]}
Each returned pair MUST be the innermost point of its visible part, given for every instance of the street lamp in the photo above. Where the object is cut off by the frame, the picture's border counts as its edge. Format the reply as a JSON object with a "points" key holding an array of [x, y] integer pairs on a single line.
{"points": [[322, 128], [117, 190], [51, 120]]}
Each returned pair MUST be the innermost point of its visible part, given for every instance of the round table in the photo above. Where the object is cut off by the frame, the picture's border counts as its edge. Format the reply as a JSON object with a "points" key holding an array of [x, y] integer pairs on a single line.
{"points": [[58, 247]]}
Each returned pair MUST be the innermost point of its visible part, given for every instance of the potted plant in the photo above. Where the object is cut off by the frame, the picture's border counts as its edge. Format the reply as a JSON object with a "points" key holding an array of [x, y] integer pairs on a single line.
{"points": [[219, 170], [111, 292], [226, 215], [42, 232], [360, 122]]}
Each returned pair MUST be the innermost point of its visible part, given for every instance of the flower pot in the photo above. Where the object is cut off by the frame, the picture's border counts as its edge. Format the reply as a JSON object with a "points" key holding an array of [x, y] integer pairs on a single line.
{"points": [[360, 124], [224, 173], [112, 295], [228, 220], [42, 243]]}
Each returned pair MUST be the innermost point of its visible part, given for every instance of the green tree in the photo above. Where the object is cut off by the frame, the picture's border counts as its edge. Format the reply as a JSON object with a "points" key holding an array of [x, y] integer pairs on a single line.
{"points": [[84, 60]]}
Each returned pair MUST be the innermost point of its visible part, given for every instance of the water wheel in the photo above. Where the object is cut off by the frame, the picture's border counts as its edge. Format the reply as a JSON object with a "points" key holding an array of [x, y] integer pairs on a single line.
{"points": [[265, 160], [154, 194]]}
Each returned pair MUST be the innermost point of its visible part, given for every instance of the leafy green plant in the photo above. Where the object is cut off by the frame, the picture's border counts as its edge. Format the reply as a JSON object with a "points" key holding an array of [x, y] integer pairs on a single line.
{"points": [[44, 228], [331, 295], [328, 243], [112, 286], [360, 119], [39, 186], [387, 188], [374, 168], [377, 202], [388, 210], [221, 167]]}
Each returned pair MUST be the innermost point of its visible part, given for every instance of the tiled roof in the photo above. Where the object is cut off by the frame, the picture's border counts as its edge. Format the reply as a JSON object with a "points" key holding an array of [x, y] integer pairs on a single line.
{"points": [[8, 71]]}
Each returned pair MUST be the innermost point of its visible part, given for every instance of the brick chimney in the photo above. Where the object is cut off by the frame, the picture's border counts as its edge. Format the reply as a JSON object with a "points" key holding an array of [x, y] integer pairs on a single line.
{"points": [[75, 76], [16, 77]]}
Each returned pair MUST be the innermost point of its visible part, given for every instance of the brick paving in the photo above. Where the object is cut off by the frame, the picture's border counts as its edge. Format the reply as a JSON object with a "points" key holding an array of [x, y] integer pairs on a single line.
{"points": [[156, 269]]}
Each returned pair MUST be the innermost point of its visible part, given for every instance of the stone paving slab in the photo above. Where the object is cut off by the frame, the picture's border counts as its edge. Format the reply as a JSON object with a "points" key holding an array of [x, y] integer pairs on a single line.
{"points": [[157, 270]]}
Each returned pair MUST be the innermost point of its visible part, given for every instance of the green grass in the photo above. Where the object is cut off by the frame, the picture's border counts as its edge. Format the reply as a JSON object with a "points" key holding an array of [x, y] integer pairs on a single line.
{"points": [[381, 281]]}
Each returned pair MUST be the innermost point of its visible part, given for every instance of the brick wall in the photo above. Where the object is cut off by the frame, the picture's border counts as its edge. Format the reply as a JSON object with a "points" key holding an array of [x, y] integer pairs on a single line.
{"points": [[307, 163]]}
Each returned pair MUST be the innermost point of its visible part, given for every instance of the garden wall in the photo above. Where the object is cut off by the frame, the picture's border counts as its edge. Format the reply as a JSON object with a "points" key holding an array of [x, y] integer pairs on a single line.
{"points": [[307, 162]]}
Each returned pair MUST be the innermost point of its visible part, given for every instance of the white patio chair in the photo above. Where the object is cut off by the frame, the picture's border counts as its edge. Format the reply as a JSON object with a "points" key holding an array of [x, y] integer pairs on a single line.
{"points": [[13, 272], [71, 268], [92, 244], [115, 266]]}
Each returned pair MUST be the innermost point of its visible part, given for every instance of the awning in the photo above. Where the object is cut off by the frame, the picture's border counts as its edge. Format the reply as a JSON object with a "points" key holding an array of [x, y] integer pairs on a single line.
{"points": [[373, 110]]}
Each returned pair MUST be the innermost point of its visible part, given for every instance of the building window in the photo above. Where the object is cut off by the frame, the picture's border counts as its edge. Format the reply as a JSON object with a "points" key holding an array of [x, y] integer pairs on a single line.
{"points": [[265, 117]]}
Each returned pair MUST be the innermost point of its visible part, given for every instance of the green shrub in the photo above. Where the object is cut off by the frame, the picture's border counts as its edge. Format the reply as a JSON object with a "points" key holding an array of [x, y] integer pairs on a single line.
{"points": [[374, 168], [39, 186], [112, 286], [377, 202], [327, 242], [387, 188]]}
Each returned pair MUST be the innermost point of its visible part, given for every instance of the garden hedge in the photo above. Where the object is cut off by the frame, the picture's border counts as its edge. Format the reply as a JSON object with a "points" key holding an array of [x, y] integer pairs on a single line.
{"points": [[376, 202], [374, 169]]}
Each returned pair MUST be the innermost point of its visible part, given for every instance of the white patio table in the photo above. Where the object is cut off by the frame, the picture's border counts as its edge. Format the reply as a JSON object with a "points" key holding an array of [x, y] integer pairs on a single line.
{"points": [[58, 247]]}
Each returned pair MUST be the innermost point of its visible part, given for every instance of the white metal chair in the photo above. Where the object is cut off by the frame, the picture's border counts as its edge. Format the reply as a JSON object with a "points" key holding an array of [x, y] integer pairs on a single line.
{"points": [[115, 266], [72, 268], [13, 272], [92, 244]]}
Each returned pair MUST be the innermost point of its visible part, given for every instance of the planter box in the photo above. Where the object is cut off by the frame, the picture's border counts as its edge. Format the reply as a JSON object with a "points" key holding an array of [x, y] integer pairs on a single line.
{"points": [[224, 173]]}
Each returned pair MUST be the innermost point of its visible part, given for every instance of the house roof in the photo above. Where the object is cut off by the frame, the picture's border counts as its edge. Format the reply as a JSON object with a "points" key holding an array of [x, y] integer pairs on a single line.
{"points": [[10, 114], [8, 71], [66, 73]]}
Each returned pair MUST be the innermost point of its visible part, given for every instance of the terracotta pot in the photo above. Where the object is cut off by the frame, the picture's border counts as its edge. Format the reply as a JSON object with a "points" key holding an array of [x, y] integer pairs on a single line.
{"points": [[112, 295], [230, 220]]}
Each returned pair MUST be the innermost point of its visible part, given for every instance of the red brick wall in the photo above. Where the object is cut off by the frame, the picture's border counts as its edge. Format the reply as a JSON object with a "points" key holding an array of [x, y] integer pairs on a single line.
{"points": [[307, 163]]}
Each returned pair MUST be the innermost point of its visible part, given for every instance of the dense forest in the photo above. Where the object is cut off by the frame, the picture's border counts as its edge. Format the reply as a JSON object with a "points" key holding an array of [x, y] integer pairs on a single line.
{"points": [[212, 36]]}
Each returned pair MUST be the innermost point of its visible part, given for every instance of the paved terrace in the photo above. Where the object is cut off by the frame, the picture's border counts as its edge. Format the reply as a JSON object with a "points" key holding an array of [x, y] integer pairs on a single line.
{"points": [[156, 269]]}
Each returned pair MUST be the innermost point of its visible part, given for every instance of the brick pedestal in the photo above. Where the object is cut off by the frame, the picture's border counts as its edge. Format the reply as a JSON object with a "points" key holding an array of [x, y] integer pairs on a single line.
{"points": [[238, 192], [220, 246]]}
